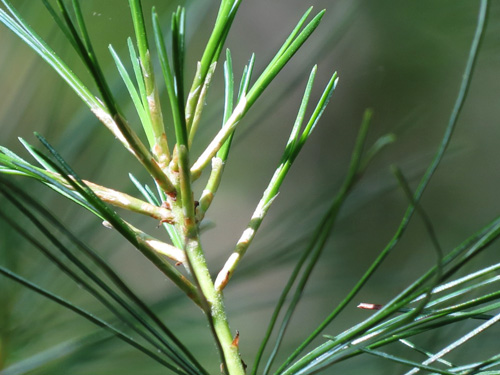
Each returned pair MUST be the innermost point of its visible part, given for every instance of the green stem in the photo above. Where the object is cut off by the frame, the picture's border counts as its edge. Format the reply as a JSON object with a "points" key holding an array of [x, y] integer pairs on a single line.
{"points": [[214, 308], [212, 301]]}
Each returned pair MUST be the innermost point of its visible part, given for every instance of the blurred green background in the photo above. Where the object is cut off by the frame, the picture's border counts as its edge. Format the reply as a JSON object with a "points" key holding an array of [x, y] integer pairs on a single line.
{"points": [[403, 59]]}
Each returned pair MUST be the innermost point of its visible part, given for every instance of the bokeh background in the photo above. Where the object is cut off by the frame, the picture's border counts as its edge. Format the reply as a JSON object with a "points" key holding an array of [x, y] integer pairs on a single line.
{"points": [[403, 59]]}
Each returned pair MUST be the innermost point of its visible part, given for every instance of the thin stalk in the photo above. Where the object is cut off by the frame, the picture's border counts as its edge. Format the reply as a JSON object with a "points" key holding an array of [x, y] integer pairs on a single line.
{"points": [[218, 162], [211, 188], [130, 203], [159, 247], [125, 201], [201, 104], [295, 144], [160, 148], [172, 83], [221, 137]]}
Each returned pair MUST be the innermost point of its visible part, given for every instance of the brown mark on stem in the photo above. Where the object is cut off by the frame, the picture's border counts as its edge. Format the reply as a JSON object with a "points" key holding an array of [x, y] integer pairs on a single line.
{"points": [[188, 223], [236, 340]]}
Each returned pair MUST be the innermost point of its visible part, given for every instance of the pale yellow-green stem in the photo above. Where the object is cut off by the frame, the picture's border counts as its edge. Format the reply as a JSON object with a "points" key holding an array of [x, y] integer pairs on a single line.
{"points": [[213, 184], [192, 98], [159, 247], [248, 235], [121, 130], [125, 201], [122, 200], [219, 139], [160, 148], [200, 105]]}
